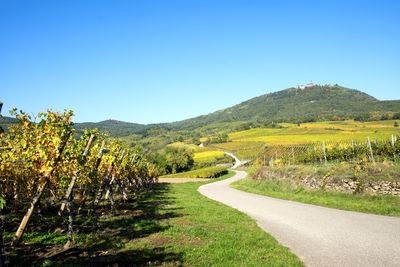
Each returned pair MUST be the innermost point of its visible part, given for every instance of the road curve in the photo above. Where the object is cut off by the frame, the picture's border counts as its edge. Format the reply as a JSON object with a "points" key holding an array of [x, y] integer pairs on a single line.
{"points": [[319, 236], [238, 163]]}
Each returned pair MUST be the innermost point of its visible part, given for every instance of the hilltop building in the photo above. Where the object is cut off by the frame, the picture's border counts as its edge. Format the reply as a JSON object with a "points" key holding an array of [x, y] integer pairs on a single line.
{"points": [[308, 85]]}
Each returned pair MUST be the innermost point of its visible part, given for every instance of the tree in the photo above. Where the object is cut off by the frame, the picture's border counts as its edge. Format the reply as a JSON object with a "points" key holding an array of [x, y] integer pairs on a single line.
{"points": [[396, 116], [362, 117], [220, 138], [178, 159], [385, 117]]}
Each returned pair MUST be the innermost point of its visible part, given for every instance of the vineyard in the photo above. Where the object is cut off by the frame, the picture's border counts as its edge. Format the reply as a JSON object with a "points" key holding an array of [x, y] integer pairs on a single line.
{"points": [[243, 150], [306, 139], [318, 132], [45, 165], [368, 151], [208, 156]]}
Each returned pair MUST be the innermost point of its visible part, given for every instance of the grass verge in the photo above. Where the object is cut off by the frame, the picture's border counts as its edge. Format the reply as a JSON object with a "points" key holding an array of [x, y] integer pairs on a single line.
{"points": [[173, 225], [382, 205]]}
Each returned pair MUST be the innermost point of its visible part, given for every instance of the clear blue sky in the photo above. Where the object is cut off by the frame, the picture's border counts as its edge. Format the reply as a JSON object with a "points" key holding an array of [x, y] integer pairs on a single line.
{"points": [[158, 61]]}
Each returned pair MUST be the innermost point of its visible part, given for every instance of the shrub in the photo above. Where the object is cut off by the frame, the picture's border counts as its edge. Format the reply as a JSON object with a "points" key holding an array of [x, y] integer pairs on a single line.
{"points": [[209, 172]]}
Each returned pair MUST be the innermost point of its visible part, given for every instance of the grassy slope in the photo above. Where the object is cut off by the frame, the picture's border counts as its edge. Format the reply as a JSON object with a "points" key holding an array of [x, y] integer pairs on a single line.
{"points": [[383, 205], [172, 226]]}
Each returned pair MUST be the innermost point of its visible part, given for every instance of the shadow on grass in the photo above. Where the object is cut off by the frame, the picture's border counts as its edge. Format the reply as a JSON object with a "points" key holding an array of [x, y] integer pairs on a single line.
{"points": [[105, 246], [138, 257]]}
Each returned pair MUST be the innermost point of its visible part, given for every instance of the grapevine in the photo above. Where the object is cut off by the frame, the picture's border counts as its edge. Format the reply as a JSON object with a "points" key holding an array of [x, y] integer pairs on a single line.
{"points": [[49, 159]]}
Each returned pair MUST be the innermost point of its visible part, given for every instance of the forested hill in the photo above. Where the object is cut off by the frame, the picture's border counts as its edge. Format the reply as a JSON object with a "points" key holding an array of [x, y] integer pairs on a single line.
{"points": [[316, 103], [115, 127]]}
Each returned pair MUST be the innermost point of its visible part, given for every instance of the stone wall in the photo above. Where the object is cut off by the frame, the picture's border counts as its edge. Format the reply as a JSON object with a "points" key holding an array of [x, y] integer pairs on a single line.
{"points": [[350, 186]]}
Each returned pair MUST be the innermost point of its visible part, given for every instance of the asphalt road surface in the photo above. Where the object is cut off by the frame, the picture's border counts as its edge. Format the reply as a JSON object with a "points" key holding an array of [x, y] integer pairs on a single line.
{"points": [[319, 236]]}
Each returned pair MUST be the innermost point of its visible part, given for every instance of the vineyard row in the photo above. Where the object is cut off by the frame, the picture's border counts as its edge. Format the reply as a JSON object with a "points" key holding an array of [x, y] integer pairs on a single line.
{"points": [[47, 160]]}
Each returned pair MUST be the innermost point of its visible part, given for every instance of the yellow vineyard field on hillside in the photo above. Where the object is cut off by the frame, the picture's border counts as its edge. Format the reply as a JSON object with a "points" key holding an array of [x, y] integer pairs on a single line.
{"points": [[248, 144], [208, 156], [201, 154], [243, 150], [318, 132]]}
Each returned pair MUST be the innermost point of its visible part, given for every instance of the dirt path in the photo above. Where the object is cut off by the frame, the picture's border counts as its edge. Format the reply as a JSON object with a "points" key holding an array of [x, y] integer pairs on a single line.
{"points": [[319, 236]]}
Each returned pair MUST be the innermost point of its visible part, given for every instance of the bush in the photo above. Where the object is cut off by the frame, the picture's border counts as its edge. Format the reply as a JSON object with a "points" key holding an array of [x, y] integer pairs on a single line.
{"points": [[209, 172]]}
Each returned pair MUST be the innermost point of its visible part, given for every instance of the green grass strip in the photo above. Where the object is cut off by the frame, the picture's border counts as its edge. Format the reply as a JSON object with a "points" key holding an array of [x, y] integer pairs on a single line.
{"points": [[380, 204]]}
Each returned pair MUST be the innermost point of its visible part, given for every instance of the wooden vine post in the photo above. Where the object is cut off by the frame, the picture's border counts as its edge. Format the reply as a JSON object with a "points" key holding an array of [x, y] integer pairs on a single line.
{"points": [[104, 185], [394, 147], [122, 190], [102, 152], [109, 190], [68, 199], [370, 149], [293, 156], [324, 149], [39, 192], [70, 221], [109, 193], [75, 176]]}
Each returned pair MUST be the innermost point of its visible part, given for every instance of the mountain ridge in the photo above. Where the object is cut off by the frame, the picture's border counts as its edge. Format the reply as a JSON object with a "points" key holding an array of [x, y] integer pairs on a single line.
{"points": [[312, 103], [295, 104]]}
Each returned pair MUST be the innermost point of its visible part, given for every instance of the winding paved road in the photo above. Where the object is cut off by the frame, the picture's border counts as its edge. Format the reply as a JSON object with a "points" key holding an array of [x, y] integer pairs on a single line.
{"points": [[319, 236], [238, 163]]}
